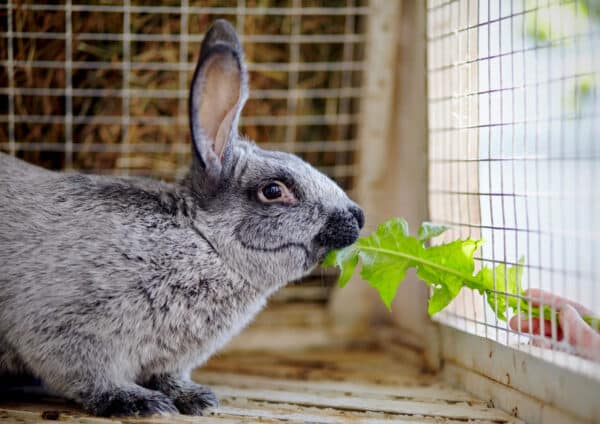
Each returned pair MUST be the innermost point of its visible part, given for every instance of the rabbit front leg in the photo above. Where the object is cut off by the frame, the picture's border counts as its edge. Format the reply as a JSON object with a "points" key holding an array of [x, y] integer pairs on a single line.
{"points": [[131, 400], [95, 383], [102, 395], [10, 362], [190, 398]]}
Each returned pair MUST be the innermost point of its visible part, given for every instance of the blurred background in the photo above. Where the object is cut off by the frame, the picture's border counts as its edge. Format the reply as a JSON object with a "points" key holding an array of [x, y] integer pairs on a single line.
{"points": [[102, 86]]}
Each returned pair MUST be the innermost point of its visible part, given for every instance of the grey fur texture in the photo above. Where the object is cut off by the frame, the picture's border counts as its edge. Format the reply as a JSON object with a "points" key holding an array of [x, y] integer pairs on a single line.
{"points": [[113, 289]]}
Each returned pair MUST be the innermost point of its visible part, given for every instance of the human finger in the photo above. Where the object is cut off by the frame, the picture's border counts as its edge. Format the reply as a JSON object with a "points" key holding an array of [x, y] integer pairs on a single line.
{"points": [[523, 324], [539, 297], [579, 334]]}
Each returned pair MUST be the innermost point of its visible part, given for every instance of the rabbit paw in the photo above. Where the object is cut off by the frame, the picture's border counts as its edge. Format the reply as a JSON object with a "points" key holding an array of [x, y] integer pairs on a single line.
{"points": [[189, 397], [195, 400], [130, 402]]}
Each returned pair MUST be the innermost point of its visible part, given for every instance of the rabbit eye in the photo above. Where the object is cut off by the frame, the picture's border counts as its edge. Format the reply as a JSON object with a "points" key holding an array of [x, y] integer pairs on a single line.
{"points": [[272, 191], [276, 192]]}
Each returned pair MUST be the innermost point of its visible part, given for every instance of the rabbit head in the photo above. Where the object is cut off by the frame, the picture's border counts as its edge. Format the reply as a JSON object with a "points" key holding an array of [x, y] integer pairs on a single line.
{"points": [[269, 213]]}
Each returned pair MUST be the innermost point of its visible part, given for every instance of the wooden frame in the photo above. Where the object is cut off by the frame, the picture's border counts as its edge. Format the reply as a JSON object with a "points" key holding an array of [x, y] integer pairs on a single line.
{"points": [[518, 382]]}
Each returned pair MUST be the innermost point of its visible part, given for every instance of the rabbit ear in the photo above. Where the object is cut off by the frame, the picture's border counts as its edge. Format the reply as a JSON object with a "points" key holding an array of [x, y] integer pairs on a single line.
{"points": [[218, 93]]}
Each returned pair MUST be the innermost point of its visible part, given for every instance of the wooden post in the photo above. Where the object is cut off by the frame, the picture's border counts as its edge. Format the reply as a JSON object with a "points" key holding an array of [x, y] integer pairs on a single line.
{"points": [[393, 178], [352, 308]]}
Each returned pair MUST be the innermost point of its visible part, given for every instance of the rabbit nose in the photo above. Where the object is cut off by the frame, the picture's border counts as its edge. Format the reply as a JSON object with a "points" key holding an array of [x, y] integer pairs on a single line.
{"points": [[358, 215], [341, 228]]}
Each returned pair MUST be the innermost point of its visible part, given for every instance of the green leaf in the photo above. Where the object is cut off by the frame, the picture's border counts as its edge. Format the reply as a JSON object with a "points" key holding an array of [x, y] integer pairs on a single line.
{"points": [[450, 263], [440, 298], [498, 283], [429, 230], [389, 252], [495, 279], [346, 259], [331, 259], [380, 267], [447, 268]]}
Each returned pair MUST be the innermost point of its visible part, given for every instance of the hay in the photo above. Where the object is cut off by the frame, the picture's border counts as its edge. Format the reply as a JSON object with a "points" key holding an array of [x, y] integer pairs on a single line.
{"points": [[152, 148]]}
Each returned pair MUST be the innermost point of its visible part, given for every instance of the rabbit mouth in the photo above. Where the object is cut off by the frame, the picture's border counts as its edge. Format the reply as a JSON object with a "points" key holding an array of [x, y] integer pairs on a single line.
{"points": [[322, 253], [278, 248], [310, 259]]}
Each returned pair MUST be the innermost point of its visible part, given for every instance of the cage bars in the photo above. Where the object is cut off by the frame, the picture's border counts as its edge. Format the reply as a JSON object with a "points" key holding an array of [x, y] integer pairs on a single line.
{"points": [[11, 80], [69, 86], [534, 110], [125, 69], [252, 11], [326, 135], [183, 54]]}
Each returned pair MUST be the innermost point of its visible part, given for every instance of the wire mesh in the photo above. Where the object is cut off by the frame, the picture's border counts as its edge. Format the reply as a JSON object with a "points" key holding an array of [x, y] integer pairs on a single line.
{"points": [[101, 86], [514, 89]]}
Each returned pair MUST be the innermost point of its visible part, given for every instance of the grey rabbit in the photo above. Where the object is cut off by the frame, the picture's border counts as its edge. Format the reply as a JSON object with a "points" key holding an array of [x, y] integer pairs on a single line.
{"points": [[113, 289]]}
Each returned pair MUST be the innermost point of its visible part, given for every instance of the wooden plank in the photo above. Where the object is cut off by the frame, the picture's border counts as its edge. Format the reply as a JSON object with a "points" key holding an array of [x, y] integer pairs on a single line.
{"points": [[50, 414], [259, 339], [307, 314], [19, 414], [506, 398], [555, 387], [322, 386], [302, 293], [290, 412], [375, 367], [434, 392], [415, 391], [356, 403], [286, 326], [232, 410], [403, 345]]}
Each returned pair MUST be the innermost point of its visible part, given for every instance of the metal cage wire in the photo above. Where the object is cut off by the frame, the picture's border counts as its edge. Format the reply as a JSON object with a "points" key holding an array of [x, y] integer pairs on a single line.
{"points": [[514, 155], [102, 86]]}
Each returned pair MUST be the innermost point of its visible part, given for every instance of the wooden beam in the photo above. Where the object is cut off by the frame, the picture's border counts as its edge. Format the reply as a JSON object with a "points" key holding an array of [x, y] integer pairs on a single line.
{"points": [[352, 308], [393, 164], [518, 381]]}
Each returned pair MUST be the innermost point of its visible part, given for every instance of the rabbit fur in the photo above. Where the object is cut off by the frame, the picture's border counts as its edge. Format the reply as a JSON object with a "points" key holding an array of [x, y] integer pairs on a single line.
{"points": [[113, 289]]}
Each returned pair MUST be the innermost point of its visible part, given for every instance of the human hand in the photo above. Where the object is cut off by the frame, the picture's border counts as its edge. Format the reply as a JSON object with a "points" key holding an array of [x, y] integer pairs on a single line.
{"points": [[571, 326]]}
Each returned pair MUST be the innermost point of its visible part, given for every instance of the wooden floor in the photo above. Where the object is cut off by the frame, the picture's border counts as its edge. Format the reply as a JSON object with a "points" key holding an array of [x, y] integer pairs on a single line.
{"points": [[360, 385]]}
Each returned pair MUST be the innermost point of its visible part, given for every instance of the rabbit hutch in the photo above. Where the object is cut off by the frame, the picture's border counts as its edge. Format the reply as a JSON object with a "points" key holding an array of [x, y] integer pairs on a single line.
{"points": [[479, 115]]}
